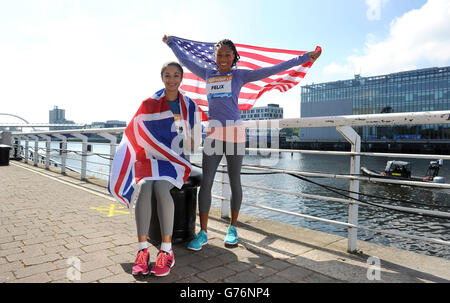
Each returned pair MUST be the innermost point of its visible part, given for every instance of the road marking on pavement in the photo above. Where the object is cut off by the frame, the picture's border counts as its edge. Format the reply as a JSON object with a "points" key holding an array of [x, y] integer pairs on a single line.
{"points": [[111, 210]]}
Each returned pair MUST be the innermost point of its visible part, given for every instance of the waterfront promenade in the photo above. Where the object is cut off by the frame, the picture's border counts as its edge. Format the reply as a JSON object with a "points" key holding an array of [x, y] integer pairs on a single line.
{"points": [[52, 225]]}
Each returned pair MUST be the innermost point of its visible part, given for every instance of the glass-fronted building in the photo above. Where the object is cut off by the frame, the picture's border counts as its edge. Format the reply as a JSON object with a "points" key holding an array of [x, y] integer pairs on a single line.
{"points": [[411, 91]]}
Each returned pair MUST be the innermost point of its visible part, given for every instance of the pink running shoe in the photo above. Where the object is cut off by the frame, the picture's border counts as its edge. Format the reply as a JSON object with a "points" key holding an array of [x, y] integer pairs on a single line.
{"points": [[141, 263], [164, 262]]}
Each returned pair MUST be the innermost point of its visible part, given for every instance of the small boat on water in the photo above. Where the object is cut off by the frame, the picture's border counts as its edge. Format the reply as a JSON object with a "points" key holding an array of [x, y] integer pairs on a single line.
{"points": [[401, 170]]}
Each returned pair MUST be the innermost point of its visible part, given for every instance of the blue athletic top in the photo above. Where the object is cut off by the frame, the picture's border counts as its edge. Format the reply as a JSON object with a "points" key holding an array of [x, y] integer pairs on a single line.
{"points": [[223, 89], [175, 108]]}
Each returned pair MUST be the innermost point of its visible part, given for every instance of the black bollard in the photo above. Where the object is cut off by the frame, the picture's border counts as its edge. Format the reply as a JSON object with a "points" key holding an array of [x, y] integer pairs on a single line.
{"points": [[4, 154], [185, 200]]}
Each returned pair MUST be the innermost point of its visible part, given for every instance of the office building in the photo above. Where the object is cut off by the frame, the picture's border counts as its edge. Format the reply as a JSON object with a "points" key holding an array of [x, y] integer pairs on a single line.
{"points": [[269, 112], [263, 136], [115, 123], [410, 91], [107, 124], [58, 116]]}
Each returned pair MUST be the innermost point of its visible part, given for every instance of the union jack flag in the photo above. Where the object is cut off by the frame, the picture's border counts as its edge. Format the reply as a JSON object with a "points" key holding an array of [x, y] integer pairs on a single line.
{"points": [[150, 148], [252, 57]]}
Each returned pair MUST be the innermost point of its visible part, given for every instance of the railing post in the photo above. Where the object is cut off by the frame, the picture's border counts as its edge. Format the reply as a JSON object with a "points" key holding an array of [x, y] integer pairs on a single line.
{"points": [[351, 136], [16, 145], [63, 152], [112, 147], [84, 144], [226, 192], [47, 150], [26, 150], [36, 150]]}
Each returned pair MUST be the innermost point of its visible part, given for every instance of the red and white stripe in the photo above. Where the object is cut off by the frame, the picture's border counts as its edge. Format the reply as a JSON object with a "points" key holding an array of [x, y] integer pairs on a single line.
{"points": [[139, 151], [253, 57]]}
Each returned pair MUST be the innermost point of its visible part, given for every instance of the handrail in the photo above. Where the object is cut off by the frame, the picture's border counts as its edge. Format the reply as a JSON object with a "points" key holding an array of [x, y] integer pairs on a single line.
{"points": [[432, 117], [343, 125], [352, 177], [349, 153], [325, 198], [392, 233], [72, 131]]}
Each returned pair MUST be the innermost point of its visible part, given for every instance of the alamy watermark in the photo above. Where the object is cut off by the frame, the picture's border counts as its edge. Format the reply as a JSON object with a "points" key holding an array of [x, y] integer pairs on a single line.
{"points": [[74, 271], [374, 270]]}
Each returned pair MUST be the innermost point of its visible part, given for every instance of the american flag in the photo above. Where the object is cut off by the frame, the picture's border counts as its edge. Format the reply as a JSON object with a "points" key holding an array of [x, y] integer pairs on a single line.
{"points": [[146, 151], [252, 57]]}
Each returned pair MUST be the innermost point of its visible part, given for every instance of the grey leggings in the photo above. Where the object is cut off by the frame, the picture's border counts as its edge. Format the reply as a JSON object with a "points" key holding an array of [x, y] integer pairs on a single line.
{"points": [[234, 154], [165, 207]]}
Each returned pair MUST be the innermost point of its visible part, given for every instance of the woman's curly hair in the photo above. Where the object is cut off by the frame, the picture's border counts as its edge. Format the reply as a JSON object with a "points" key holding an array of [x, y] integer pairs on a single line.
{"points": [[230, 44]]}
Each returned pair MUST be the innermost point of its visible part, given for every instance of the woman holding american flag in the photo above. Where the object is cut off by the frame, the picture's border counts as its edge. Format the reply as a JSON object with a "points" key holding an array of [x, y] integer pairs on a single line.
{"points": [[226, 135], [150, 161]]}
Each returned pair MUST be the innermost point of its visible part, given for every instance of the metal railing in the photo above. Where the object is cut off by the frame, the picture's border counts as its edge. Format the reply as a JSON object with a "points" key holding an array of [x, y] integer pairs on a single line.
{"points": [[343, 125]]}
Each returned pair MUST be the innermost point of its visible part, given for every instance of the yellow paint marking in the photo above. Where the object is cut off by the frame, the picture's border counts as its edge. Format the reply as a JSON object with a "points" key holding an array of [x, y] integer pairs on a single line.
{"points": [[111, 211]]}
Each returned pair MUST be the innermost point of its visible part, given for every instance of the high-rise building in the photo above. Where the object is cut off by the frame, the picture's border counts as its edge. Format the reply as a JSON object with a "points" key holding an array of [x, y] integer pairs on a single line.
{"points": [[411, 91], [56, 115]]}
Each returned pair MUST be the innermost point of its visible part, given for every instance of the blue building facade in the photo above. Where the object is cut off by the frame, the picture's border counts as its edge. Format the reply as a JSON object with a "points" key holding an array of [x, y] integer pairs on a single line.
{"points": [[411, 91]]}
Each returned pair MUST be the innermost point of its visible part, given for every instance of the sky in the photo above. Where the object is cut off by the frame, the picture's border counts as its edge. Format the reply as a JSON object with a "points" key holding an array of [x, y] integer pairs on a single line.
{"points": [[99, 59]]}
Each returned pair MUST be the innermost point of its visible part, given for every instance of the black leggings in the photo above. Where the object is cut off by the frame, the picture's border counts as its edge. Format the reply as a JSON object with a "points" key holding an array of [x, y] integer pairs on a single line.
{"points": [[213, 151]]}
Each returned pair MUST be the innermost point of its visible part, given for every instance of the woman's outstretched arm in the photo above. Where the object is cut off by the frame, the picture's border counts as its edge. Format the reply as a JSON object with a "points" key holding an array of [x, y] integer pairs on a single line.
{"points": [[261, 73], [184, 59]]}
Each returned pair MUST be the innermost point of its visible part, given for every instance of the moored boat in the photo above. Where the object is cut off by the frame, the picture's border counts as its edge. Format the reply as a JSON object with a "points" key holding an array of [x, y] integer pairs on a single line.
{"points": [[401, 170]]}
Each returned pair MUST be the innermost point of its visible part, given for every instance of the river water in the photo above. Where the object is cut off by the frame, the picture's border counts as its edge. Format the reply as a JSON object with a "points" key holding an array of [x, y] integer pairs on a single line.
{"points": [[372, 217]]}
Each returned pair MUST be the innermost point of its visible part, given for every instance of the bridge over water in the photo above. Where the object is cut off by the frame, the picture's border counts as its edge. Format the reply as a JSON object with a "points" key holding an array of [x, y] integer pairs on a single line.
{"points": [[34, 125]]}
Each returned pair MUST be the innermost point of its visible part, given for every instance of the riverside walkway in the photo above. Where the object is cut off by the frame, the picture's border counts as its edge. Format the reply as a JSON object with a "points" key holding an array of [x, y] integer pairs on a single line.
{"points": [[57, 228]]}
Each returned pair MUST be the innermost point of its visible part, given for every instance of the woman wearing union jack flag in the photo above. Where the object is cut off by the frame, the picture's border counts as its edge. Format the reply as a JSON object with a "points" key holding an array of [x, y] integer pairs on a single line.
{"points": [[226, 135], [150, 161]]}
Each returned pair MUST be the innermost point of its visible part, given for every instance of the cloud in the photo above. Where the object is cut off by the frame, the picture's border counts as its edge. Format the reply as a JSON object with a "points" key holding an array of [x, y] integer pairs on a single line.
{"points": [[96, 62], [335, 68], [374, 9], [420, 38]]}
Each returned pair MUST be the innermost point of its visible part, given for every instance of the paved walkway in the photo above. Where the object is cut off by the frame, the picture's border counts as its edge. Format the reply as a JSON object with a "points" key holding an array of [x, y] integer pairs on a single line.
{"points": [[52, 225]]}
